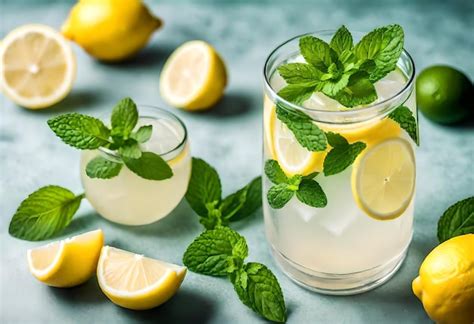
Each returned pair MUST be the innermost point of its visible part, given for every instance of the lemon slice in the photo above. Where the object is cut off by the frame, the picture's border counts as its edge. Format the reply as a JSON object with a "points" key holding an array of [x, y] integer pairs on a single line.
{"points": [[383, 179], [37, 66], [373, 133], [194, 77], [68, 262], [137, 282], [292, 157]]}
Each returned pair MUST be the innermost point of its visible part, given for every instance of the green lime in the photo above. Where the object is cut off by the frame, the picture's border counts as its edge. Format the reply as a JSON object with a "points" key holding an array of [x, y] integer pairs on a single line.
{"points": [[444, 94]]}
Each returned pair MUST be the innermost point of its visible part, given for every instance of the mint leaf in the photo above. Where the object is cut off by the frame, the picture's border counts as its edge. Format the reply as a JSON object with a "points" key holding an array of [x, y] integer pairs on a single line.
{"points": [[204, 186], [404, 117], [233, 203], [216, 252], [274, 172], [306, 132], [214, 217], [102, 168], [341, 41], [143, 134], [149, 166], [335, 139], [45, 213], [310, 176], [332, 87], [317, 52], [311, 194], [297, 93], [299, 73], [457, 220], [359, 91], [253, 200], [80, 131], [258, 288], [124, 117], [384, 46], [131, 151], [278, 195], [341, 156]]}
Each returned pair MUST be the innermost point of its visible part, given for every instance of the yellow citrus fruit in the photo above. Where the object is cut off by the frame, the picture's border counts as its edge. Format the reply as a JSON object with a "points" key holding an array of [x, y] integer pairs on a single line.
{"points": [[373, 133], [137, 282], [37, 66], [445, 285], [383, 179], [110, 30], [291, 156], [69, 262], [194, 77]]}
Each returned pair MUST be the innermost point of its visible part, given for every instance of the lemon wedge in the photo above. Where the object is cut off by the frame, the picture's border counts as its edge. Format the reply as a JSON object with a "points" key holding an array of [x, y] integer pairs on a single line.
{"points": [[69, 262], [137, 282], [193, 77], [383, 179], [292, 157], [37, 66]]}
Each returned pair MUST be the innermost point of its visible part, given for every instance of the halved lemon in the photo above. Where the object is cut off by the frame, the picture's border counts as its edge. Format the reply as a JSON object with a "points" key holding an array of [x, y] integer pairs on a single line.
{"points": [[383, 179], [37, 66], [137, 282], [292, 157], [69, 262], [193, 77]]}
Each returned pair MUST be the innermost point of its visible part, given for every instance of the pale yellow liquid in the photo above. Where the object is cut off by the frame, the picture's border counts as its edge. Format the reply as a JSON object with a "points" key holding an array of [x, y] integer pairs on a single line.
{"points": [[131, 200]]}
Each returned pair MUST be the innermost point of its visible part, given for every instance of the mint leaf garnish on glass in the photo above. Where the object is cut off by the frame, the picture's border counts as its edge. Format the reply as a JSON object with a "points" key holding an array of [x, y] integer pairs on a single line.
{"points": [[222, 252], [457, 220], [404, 117], [204, 195], [341, 70], [44, 213], [307, 190], [88, 133], [342, 154]]}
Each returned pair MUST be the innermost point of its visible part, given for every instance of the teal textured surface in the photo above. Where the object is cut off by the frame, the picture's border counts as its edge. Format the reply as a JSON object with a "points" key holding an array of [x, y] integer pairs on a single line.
{"points": [[229, 138]]}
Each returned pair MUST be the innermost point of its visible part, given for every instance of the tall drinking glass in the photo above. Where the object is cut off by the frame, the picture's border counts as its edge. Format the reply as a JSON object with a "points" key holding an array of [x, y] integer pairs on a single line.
{"points": [[359, 239]]}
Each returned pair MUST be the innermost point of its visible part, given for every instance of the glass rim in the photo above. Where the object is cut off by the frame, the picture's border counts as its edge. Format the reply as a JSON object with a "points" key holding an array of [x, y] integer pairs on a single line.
{"points": [[366, 109], [149, 114]]}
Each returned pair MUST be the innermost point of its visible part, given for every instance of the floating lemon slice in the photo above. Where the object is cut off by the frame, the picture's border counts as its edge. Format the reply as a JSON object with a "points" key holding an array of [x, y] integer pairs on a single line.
{"points": [[292, 157], [69, 262], [194, 77], [383, 179], [373, 133], [37, 66], [137, 282]]}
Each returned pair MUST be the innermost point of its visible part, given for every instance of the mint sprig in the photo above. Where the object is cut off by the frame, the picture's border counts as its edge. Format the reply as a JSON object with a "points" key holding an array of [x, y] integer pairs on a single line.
{"points": [[85, 132], [457, 220], [341, 70], [404, 117], [342, 154], [204, 195], [222, 252], [44, 213], [307, 190]]}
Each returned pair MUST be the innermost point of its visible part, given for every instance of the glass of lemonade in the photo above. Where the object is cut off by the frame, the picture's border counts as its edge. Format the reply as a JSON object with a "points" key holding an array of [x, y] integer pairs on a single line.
{"points": [[131, 200], [359, 239]]}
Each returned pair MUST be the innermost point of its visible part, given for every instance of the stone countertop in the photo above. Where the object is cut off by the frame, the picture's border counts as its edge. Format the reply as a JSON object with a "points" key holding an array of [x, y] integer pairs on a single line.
{"points": [[229, 137]]}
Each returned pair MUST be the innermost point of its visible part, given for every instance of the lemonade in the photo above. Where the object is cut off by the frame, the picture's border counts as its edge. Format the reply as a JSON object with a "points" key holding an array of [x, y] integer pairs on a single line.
{"points": [[130, 199], [359, 235]]}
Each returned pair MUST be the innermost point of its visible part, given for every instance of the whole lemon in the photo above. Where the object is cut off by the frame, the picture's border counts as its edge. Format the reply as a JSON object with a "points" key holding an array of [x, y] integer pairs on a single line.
{"points": [[110, 30], [445, 285]]}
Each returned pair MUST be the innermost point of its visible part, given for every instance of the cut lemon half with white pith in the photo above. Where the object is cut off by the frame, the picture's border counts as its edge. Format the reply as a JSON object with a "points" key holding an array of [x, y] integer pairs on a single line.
{"points": [[383, 179], [69, 262], [193, 77], [37, 66], [292, 157], [137, 282]]}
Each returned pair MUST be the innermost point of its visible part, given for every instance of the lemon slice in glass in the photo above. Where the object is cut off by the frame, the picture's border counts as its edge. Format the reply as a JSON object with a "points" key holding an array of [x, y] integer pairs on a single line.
{"points": [[137, 282], [383, 179], [194, 77], [69, 262], [292, 157], [37, 66]]}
